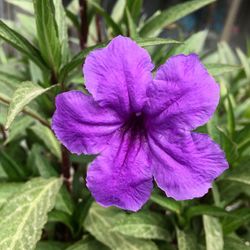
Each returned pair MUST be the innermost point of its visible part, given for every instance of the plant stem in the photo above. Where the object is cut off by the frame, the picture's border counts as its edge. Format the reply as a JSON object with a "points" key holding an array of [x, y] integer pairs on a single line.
{"points": [[84, 28], [29, 112], [3, 132], [98, 28], [66, 165]]}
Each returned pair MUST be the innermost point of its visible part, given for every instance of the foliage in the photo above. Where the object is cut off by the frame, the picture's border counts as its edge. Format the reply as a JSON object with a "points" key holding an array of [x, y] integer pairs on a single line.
{"points": [[46, 62]]}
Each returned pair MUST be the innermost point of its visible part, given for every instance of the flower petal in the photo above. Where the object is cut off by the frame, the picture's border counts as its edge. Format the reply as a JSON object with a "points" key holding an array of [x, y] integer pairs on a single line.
{"points": [[185, 164], [118, 75], [183, 94], [121, 176], [81, 124]]}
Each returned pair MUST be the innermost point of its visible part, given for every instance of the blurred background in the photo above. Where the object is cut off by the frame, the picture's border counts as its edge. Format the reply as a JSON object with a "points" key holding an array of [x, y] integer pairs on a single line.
{"points": [[226, 20], [43, 44]]}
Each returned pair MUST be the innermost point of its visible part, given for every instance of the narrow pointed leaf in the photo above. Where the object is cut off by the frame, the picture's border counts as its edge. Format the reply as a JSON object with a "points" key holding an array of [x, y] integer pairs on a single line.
{"points": [[21, 44], [47, 33], [135, 7], [18, 129], [243, 178], [213, 233], [62, 217], [154, 25], [190, 45], [25, 5], [40, 162], [64, 201], [231, 243], [205, 210], [77, 60], [244, 61], [118, 10], [230, 115], [48, 138], [144, 42], [131, 24], [237, 219], [108, 19], [13, 170], [216, 69], [24, 94], [61, 24], [167, 203]]}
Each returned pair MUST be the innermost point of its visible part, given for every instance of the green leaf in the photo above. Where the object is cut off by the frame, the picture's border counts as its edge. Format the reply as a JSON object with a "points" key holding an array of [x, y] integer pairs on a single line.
{"points": [[21, 44], [223, 140], [73, 17], [216, 69], [186, 240], [143, 225], [235, 220], [242, 138], [62, 29], [244, 61], [213, 233], [144, 42], [167, 203], [135, 7], [23, 217], [23, 4], [3, 111], [43, 166], [131, 24], [108, 19], [26, 24], [190, 45], [226, 54], [47, 33], [48, 138], [18, 129], [88, 244], [35, 73], [14, 171], [240, 177], [230, 115], [62, 217], [118, 10], [204, 210], [50, 245], [64, 201], [235, 244], [100, 221], [24, 94], [82, 207], [8, 84], [7, 189], [76, 61], [231, 190], [156, 23]]}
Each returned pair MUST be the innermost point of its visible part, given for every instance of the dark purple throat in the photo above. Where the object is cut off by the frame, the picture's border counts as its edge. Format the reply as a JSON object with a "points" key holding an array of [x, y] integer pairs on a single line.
{"points": [[135, 123]]}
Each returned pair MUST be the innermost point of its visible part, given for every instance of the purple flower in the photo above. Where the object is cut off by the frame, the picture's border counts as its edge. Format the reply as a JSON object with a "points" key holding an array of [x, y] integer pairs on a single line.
{"points": [[140, 127]]}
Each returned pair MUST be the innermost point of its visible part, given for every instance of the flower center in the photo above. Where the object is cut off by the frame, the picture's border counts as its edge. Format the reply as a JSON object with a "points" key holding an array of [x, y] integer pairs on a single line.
{"points": [[135, 123]]}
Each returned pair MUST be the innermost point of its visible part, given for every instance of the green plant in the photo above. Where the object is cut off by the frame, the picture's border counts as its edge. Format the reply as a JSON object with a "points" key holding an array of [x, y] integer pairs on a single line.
{"points": [[44, 205]]}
